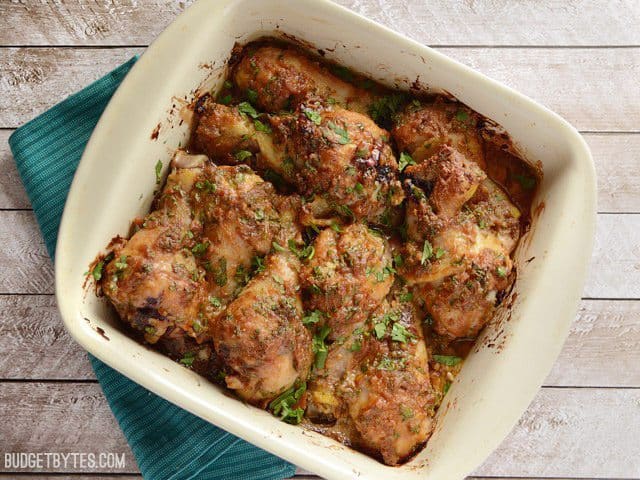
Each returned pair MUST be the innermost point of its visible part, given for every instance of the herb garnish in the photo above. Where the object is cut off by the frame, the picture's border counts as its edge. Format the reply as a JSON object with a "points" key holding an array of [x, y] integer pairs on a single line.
{"points": [[320, 348], [449, 360], [427, 252], [405, 161], [313, 116], [282, 405]]}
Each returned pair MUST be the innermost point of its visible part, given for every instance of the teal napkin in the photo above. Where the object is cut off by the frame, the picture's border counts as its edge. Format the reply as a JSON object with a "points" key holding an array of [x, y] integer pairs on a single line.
{"points": [[168, 442]]}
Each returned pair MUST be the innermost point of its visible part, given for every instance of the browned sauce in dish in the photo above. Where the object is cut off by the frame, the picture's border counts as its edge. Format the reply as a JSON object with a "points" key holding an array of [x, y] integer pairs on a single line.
{"points": [[326, 248]]}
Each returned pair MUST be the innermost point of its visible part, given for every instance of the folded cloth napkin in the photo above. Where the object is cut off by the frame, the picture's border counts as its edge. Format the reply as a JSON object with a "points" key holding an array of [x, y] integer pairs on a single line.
{"points": [[168, 442]]}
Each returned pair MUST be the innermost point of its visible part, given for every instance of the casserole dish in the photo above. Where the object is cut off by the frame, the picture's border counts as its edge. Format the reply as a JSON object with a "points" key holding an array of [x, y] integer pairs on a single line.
{"points": [[145, 122]]}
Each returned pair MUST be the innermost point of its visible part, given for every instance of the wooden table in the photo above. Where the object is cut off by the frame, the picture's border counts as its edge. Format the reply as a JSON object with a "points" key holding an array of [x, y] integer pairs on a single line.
{"points": [[580, 58]]}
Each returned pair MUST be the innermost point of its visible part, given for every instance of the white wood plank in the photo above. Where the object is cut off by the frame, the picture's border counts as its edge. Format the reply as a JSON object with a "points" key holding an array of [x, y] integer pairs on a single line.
{"points": [[588, 87], [615, 264], [437, 22], [26, 267], [595, 89], [584, 433], [616, 156], [617, 160], [603, 348], [60, 417], [34, 343], [557, 437], [35, 79], [614, 270]]}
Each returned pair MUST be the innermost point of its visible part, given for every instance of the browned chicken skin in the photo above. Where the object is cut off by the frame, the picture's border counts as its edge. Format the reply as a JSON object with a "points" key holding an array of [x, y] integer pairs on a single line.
{"points": [[282, 77], [461, 229], [260, 337], [422, 128], [340, 159]]}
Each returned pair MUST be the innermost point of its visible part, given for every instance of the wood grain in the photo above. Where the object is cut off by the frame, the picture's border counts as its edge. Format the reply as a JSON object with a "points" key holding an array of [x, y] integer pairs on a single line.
{"points": [[614, 270], [599, 441], [35, 344], [602, 350], [60, 417], [594, 88], [26, 267], [616, 156], [437, 22]]}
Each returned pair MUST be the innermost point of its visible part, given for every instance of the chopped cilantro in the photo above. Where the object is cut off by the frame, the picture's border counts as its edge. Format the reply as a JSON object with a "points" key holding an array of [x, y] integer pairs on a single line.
{"points": [[261, 127], [320, 347], [252, 95], [220, 273], [406, 297], [405, 161], [122, 263], [312, 317], [306, 252], [462, 115], [313, 116], [440, 252], [215, 301], [282, 406], [277, 247], [427, 252], [187, 359], [343, 135], [97, 270], [207, 186], [225, 99], [335, 227], [501, 271], [247, 109], [449, 360], [406, 413], [383, 109], [259, 214], [200, 248], [242, 155], [399, 333], [257, 263]]}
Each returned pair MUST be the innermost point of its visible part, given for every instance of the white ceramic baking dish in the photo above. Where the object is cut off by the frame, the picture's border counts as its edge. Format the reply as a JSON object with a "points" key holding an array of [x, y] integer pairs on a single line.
{"points": [[115, 183]]}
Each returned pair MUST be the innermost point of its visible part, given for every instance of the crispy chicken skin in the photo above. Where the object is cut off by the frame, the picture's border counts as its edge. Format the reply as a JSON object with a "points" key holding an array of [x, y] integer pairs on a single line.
{"points": [[422, 128], [461, 230], [339, 159], [283, 76], [260, 338]]}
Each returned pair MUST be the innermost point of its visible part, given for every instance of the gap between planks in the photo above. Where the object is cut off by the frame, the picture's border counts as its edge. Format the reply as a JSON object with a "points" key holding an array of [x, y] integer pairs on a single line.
{"points": [[614, 270], [76, 418], [616, 157], [36, 79], [481, 22], [601, 351]]}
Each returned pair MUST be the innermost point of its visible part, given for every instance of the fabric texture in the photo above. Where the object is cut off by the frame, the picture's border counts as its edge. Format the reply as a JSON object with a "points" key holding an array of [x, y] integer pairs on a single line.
{"points": [[167, 442]]}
